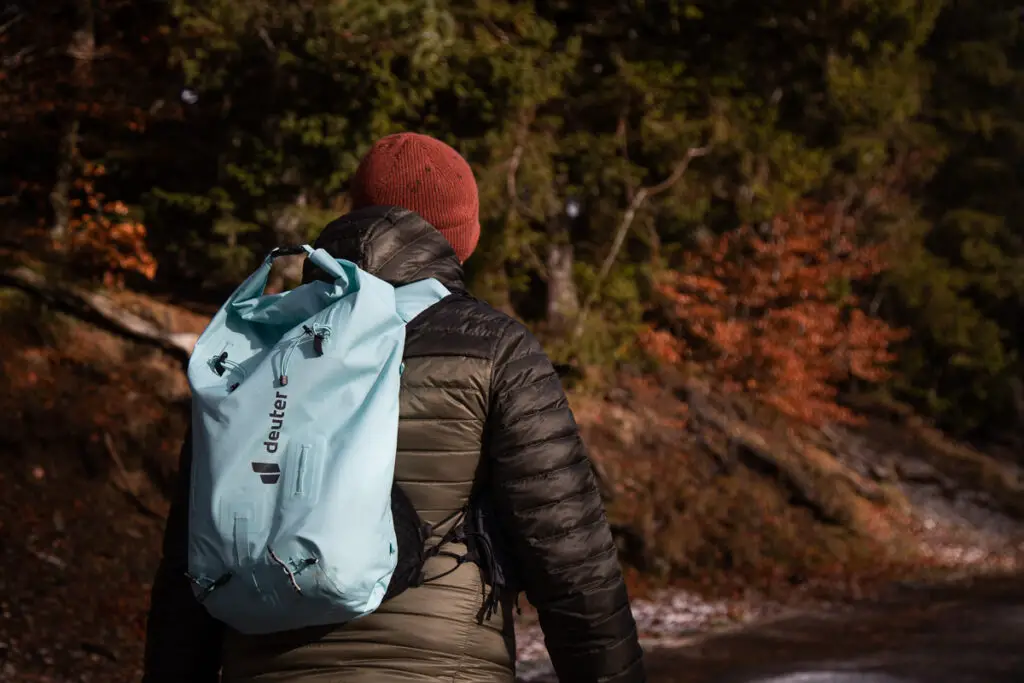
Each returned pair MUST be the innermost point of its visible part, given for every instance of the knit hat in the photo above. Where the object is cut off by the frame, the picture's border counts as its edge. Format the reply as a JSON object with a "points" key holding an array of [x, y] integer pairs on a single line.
{"points": [[422, 174]]}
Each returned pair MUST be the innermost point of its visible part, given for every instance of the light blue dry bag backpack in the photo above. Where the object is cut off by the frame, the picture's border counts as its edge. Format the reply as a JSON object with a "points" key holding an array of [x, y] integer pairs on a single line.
{"points": [[295, 427]]}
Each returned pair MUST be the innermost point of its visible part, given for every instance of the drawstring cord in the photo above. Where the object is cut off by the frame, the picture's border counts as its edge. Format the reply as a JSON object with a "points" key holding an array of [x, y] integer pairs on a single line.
{"points": [[484, 554], [287, 357], [220, 365], [292, 572], [453, 535], [493, 598], [319, 334]]}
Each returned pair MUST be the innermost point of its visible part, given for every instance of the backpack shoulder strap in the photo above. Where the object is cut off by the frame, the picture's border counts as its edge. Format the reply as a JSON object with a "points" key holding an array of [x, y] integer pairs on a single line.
{"points": [[414, 298]]}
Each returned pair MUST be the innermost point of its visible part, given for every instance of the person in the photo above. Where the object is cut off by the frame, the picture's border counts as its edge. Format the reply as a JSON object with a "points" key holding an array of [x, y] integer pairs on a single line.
{"points": [[482, 409]]}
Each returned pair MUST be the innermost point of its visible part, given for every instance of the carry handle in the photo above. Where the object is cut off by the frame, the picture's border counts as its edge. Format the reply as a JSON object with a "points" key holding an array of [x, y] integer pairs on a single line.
{"points": [[290, 251], [253, 287], [319, 257]]}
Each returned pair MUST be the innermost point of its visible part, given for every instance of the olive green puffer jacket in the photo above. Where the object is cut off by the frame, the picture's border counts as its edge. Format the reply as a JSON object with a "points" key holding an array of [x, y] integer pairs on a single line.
{"points": [[480, 404]]}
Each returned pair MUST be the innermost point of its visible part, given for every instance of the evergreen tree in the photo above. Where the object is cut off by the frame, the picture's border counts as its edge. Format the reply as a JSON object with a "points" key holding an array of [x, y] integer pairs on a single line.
{"points": [[961, 285]]}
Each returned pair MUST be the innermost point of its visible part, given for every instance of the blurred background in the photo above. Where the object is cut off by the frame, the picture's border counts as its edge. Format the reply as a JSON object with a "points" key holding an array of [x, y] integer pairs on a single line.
{"points": [[776, 248]]}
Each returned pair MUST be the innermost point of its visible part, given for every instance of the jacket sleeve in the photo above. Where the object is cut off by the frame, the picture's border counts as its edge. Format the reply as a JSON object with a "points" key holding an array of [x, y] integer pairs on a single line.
{"points": [[550, 509], [183, 642]]}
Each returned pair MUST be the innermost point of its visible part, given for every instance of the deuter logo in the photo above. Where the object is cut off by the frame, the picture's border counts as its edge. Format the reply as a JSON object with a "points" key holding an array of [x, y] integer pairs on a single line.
{"points": [[270, 472]]}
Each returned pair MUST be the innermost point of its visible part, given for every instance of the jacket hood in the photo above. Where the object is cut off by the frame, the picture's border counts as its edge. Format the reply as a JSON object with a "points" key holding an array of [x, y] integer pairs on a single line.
{"points": [[392, 243]]}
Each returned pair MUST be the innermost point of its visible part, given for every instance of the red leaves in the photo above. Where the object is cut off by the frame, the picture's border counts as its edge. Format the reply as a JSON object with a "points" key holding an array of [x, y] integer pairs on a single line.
{"points": [[104, 238], [663, 345], [775, 315]]}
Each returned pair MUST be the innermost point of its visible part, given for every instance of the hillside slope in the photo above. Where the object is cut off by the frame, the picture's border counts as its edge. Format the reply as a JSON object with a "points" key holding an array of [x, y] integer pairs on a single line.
{"points": [[700, 491]]}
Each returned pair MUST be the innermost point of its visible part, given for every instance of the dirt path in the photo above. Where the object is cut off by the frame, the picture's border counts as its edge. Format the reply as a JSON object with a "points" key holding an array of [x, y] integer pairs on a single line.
{"points": [[964, 634]]}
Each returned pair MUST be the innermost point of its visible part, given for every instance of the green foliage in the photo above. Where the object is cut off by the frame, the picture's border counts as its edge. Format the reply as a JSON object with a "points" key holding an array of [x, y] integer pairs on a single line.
{"points": [[961, 284], [906, 114], [609, 337]]}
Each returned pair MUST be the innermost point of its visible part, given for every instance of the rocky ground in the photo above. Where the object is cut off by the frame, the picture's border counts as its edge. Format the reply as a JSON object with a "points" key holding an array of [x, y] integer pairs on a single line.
{"points": [[963, 532], [974, 542], [668, 619], [965, 632]]}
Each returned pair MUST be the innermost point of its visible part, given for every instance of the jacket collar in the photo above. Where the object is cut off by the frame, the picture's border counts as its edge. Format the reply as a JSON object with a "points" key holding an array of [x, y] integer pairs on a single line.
{"points": [[394, 244]]}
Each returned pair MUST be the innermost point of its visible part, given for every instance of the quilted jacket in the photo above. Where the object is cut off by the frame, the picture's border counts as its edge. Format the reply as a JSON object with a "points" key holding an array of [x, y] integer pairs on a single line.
{"points": [[480, 405]]}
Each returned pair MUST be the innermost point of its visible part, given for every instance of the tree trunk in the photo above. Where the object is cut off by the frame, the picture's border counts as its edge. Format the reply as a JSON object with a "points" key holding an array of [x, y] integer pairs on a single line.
{"points": [[60, 199], [563, 298], [287, 271], [82, 50]]}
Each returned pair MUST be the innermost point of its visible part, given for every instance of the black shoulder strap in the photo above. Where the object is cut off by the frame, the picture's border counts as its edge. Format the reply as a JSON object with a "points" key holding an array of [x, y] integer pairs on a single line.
{"points": [[456, 533]]}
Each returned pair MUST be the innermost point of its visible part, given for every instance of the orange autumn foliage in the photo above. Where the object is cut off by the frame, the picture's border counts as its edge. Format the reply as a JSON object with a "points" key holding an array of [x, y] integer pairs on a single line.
{"points": [[774, 315], [103, 238]]}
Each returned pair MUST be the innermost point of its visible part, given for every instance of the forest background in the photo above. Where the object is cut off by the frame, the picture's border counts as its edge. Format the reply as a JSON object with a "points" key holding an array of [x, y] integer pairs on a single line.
{"points": [[752, 233]]}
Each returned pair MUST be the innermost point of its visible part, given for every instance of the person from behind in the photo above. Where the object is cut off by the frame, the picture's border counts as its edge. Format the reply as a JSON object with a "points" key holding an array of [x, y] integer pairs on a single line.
{"points": [[483, 417]]}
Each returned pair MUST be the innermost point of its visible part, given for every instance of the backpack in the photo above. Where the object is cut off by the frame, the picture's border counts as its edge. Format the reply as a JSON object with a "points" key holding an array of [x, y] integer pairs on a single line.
{"points": [[295, 519]]}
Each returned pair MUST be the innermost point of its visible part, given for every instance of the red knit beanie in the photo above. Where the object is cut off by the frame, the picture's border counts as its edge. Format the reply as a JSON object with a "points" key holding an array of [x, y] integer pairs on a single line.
{"points": [[422, 174]]}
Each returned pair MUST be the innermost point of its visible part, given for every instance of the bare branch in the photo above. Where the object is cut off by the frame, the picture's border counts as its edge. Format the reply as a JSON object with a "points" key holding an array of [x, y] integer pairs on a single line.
{"points": [[496, 30], [511, 185], [533, 259], [622, 133], [513, 169], [641, 196], [265, 37], [516, 206], [679, 171]]}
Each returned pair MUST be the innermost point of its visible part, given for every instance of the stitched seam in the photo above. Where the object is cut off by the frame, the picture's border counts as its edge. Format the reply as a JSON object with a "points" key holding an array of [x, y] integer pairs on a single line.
{"points": [[365, 236], [401, 247], [590, 558], [467, 332], [434, 484], [461, 657], [453, 387], [530, 356], [425, 266], [491, 395], [529, 385], [546, 474], [492, 407], [545, 442], [615, 644], [418, 452], [566, 534], [617, 614], [547, 506], [464, 353], [430, 452], [561, 405]]}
